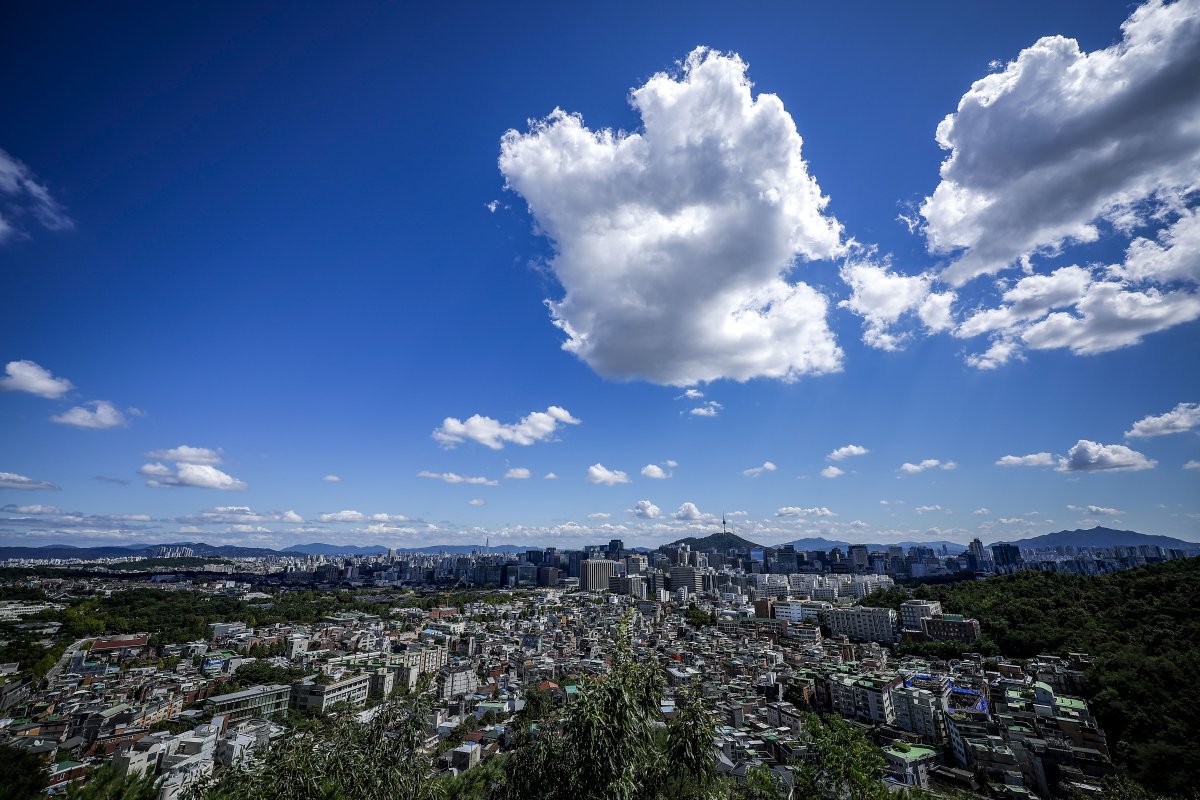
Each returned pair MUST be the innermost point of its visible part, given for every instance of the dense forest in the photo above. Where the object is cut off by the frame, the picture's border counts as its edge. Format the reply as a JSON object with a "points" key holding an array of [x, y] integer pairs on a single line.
{"points": [[1140, 626]]}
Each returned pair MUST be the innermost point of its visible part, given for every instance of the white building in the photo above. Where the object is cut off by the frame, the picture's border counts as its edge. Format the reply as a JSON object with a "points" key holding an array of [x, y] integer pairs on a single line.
{"points": [[863, 624]]}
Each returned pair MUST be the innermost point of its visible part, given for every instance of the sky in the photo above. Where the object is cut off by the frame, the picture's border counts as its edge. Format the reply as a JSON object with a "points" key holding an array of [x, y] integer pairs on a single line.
{"points": [[553, 275]]}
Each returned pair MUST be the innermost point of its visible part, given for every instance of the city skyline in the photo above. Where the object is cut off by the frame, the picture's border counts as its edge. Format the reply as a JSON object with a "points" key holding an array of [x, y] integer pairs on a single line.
{"points": [[431, 293]]}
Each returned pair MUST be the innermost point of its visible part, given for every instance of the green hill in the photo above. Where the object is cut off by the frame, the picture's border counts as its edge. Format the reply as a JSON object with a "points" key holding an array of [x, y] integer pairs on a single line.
{"points": [[719, 541], [1142, 629]]}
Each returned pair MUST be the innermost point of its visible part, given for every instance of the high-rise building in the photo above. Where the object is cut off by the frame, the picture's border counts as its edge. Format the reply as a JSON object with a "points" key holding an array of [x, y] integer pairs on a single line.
{"points": [[595, 572], [1007, 557]]}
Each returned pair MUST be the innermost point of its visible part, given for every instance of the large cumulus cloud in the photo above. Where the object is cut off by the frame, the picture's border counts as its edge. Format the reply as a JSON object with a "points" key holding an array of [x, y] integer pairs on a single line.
{"points": [[673, 243]]}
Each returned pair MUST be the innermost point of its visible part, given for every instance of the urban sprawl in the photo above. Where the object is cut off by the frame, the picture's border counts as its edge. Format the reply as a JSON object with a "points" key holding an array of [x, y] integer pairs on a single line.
{"points": [[766, 635]]}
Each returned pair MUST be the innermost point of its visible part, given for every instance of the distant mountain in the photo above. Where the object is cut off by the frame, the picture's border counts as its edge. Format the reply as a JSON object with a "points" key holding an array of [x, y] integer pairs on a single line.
{"points": [[717, 541], [68, 551], [819, 543], [322, 549], [319, 548], [1102, 537]]}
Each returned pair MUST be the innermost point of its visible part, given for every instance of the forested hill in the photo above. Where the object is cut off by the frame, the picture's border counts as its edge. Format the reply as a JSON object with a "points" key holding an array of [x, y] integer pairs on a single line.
{"points": [[718, 541], [1142, 628]]}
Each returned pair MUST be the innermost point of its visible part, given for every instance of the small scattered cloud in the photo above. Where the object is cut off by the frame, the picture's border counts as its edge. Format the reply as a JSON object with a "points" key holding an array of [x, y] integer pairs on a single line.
{"points": [[982, 512], [1193, 464], [832, 472], [910, 468], [112, 480], [538, 426], [1184, 417], [656, 472], [25, 197], [710, 409], [11, 480], [688, 512], [476, 501], [454, 477], [1031, 460], [927, 509], [187, 454], [600, 474], [691, 394], [1089, 456], [1101, 510], [517, 474], [796, 511], [198, 476], [847, 451], [96, 415], [600, 516], [332, 479], [644, 509], [550, 476], [28, 376], [754, 472]]}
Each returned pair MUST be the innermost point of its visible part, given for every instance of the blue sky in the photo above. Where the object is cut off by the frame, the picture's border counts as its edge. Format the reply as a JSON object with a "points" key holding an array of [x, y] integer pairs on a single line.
{"points": [[301, 242]]}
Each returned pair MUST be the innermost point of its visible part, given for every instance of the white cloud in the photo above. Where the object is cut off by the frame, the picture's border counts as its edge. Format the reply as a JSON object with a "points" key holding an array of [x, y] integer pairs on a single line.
{"points": [[911, 468], [102, 414], [881, 297], [1031, 460], [1029, 298], [688, 512], [671, 463], [709, 409], [199, 476], [600, 515], [1193, 464], [24, 196], [1013, 521], [538, 426], [981, 512], [190, 455], [454, 477], [832, 472], [754, 472], [37, 509], [847, 451], [598, 473], [1088, 456], [332, 478], [518, 473], [644, 509], [692, 394], [656, 472], [1111, 316], [672, 242], [927, 509], [11, 480], [1101, 510], [342, 516], [28, 376], [796, 511], [1184, 417], [550, 476], [1061, 138], [235, 514], [1171, 256], [477, 501]]}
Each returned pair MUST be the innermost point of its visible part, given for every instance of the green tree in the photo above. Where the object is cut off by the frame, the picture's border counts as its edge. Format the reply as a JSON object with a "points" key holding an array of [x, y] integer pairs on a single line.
{"points": [[22, 774]]}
